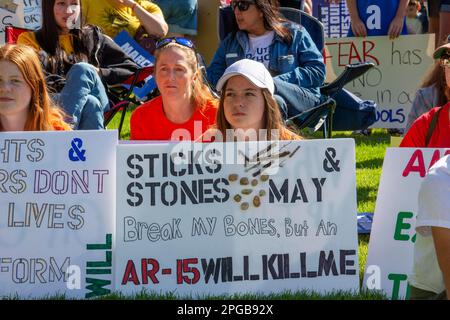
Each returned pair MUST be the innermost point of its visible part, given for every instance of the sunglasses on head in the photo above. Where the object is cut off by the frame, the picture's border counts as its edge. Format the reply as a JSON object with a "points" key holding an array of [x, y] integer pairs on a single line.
{"points": [[181, 41], [241, 5]]}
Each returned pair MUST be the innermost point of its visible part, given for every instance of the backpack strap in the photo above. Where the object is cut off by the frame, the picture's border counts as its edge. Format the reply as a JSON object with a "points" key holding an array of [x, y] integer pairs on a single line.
{"points": [[432, 126]]}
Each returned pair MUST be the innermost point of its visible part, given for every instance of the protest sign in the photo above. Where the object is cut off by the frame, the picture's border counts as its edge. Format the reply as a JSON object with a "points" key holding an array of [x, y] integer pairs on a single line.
{"points": [[334, 17], [400, 67], [24, 14], [391, 247], [57, 213], [236, 218], [141, 57]]}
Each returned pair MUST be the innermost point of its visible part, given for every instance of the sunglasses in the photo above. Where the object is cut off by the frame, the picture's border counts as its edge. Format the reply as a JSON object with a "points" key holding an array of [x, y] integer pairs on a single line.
{"points": [[181, 41], [241, 5]]}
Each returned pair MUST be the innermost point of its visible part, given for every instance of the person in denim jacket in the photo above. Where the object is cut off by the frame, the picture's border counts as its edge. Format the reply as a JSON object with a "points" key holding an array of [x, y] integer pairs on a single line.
{"points": [[285, 48]]}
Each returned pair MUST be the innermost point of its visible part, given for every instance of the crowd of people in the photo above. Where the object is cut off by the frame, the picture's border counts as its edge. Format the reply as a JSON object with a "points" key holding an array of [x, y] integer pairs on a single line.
{"points": [[57, 78]]}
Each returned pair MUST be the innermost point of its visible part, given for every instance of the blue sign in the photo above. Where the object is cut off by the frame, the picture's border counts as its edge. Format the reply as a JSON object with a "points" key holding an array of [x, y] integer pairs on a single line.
{"points": [[141, 57], [334, 17], [134, 50]]}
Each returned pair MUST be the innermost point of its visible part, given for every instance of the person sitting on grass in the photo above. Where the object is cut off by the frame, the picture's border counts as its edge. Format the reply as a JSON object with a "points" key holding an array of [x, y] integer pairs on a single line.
{"points": [[248, 110], [25, 104], [79, 61], [432, 129], [186, 107]]}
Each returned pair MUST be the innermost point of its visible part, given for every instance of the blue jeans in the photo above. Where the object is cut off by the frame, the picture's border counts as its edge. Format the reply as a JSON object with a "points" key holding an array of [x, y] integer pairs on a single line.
{"points": [[293, 99], [181, 15], [84, 97]]}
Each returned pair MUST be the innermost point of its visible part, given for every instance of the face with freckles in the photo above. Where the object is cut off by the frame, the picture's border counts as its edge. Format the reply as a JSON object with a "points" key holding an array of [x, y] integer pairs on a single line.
{"points": [[174, 76], [15, 93]]}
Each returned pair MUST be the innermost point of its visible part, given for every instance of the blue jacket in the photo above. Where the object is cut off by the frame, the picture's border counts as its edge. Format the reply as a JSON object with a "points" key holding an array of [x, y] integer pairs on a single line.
{"points": [[300, 63]]}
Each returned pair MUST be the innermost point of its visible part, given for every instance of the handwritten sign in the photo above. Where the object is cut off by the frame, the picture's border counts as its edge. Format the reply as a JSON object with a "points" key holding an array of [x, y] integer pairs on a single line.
{"points": [[391, 247], [56, 213], [235, 218], [400, 67], [334, 17], [24, 14]]}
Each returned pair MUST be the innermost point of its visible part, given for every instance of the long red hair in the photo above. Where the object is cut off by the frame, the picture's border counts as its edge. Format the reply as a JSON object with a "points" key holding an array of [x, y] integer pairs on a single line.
{"points": [[43, 115]]}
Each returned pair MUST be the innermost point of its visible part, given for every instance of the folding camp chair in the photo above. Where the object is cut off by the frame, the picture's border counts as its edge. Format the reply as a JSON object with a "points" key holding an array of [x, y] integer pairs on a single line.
{"points": [[121, 96]]}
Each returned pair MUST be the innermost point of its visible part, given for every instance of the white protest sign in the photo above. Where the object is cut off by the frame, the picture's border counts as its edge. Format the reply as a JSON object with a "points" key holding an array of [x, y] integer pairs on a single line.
{"points": [[24, 14], [400, 67], [57, 210], [218, 225], [391, 246]]}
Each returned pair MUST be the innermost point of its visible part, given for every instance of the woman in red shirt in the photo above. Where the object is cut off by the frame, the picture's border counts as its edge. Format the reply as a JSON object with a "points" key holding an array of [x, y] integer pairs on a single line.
{"points": [[25, 104], [432, 129], [186, 107]]}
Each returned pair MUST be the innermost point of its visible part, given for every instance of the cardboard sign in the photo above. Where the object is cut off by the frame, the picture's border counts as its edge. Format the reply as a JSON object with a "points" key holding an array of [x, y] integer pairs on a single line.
{"points": [[57, 213], [235, 218], [400, 67], [334, 17], [391, 247], [24, 14]]}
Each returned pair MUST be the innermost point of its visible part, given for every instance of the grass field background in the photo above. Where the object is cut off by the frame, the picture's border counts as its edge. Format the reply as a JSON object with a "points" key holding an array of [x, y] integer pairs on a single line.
{"points": [[370, 152]]}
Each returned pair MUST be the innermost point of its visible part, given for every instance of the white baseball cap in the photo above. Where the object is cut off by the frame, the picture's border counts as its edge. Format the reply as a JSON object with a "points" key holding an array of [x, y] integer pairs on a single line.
{"points": [[253, 70]]}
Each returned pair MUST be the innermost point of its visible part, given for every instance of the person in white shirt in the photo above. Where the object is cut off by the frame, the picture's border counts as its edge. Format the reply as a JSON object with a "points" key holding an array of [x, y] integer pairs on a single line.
{"points": [[413, 22], [430, 278]]}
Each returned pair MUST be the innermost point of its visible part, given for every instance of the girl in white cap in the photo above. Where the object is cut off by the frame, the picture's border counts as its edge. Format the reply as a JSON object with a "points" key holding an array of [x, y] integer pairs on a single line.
{"points": [[247, 109]]}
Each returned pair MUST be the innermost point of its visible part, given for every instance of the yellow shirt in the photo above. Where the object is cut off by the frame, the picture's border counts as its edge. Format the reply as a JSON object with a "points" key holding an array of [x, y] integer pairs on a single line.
{"points": [[29, 39], [111, 19]]}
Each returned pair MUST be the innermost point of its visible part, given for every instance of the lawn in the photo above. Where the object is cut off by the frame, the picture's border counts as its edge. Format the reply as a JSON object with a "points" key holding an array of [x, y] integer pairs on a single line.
{"points": [[370, 152]]}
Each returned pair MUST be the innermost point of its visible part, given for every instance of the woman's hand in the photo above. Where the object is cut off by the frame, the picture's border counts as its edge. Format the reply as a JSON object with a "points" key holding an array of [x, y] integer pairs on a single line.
{"points": [[358, 27], [396, 26]]}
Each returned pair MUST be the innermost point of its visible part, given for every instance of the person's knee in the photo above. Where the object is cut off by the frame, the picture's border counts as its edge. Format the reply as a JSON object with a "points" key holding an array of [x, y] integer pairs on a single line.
{"points": [[93, 105], [82, 68], [92, 114]]}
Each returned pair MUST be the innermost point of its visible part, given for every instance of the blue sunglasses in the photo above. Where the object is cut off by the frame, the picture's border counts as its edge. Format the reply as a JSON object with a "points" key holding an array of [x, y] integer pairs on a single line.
{"points": [[181, 41]]}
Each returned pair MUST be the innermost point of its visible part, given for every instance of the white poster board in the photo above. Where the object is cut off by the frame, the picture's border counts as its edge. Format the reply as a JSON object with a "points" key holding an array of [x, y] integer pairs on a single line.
{"points": [[391, 246], [400, 67], [24, 14], [196, 228], [57, 209]]}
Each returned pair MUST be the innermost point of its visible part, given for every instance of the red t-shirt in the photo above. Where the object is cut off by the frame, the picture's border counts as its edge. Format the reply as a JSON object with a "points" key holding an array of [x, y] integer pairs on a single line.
{"points": [[148, 122], [415, 137]]}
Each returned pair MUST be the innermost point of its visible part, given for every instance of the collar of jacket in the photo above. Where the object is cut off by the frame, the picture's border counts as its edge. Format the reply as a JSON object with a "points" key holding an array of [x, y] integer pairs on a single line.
{"points": [[242, 36]]}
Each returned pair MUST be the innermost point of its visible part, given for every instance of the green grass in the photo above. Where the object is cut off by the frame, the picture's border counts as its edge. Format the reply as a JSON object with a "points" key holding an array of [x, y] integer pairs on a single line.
{"points": [[370, 152]]}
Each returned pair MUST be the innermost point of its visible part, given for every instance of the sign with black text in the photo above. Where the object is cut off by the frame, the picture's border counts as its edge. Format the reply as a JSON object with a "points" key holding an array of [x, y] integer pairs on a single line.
{"points": [[57, 213]]}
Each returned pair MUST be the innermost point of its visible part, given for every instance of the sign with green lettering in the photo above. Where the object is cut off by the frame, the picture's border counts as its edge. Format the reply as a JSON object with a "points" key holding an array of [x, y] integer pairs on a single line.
{"points": [[57, 213], [390, 256]]}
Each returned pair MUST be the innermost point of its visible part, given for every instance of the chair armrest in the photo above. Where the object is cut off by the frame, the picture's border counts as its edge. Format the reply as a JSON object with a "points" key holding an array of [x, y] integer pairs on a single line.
{"points": [[351, 72]]}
